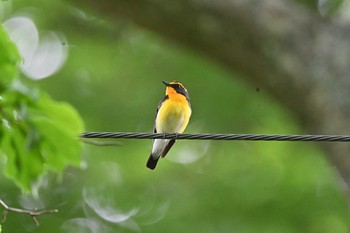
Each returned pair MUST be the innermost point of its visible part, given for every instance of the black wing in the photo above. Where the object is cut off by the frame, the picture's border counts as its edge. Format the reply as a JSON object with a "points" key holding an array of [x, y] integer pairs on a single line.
{"points": [[168, 147], [159, 105], [152, 162]]}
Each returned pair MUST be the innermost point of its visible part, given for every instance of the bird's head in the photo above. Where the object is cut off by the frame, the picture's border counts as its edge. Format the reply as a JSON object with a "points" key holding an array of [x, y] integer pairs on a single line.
{"points": [[175, 87]]}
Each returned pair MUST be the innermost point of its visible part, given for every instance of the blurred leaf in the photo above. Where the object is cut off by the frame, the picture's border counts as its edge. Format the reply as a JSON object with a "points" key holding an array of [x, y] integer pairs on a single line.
{"points": [[62, 114], [329, 7], [24, 164], [324, 7], [9, 58], [311, 4], [37, 133], [59, 126]]}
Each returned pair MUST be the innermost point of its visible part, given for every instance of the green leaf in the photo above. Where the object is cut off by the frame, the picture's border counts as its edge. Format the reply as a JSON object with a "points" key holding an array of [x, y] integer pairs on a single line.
{"points": [[9, 59], [62, 114], [24, 164], [59, 126], [37, 134]]}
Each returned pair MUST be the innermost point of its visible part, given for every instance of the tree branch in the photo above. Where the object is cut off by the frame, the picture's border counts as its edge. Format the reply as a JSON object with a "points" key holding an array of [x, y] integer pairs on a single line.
{"points": [[31, 213]]}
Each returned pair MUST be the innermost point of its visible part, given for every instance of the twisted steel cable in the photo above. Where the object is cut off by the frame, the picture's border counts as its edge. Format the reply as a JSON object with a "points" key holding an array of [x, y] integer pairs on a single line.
{"points": [[249, 137]]}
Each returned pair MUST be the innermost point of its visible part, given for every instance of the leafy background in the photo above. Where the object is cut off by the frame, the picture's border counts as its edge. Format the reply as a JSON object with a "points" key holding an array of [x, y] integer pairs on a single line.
{"points": [[112, 82]]}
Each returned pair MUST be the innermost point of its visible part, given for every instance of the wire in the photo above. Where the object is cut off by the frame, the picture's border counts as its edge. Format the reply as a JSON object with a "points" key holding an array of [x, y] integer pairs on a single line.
{"points": [[249, 137]]}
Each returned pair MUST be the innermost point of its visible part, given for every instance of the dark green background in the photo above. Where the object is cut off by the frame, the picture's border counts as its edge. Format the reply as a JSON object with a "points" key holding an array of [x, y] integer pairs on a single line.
{"points": [[113, 78]]}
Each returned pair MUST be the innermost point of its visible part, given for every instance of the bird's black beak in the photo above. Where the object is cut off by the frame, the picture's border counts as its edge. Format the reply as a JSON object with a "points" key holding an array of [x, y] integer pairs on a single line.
{"points": [[166, 84]]}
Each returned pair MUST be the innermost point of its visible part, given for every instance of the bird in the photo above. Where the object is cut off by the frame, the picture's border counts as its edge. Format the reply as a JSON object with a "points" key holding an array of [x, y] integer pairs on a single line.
{"points": [[172, 116]]}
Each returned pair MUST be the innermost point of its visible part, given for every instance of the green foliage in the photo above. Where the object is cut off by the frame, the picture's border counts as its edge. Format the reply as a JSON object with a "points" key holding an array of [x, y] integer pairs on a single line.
{"points": [[330, 7], [311, 4], [36, 132], [325, 8], [9, 58]]}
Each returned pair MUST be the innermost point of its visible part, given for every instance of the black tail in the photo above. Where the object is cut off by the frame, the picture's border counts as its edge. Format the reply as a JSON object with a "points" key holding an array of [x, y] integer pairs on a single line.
{"points": [[152, 162]]}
